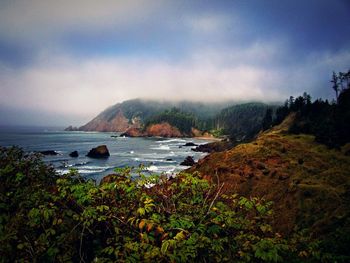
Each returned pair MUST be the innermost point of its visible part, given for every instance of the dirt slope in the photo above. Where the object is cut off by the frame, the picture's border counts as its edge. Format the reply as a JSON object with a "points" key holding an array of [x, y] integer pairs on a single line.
{"points": [[308, 183]]}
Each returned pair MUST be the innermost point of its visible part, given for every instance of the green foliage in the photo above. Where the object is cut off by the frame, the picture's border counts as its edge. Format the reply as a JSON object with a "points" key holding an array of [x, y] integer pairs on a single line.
{"points": [[147, 109], [50, 218], [267, 120], [242, 122], [217, 132]]}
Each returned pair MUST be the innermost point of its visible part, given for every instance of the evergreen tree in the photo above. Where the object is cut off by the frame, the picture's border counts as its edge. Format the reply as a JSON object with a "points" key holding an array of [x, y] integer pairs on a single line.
{"points": [[267, 120], [335, 86]]}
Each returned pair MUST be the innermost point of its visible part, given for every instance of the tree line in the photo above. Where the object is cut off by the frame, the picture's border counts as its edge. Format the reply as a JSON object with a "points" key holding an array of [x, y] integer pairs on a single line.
{"points": [[328, 121]]}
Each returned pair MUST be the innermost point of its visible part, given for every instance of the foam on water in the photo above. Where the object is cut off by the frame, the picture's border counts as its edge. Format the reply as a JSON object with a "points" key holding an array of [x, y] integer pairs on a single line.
{"points": [[123, 151], [171, 140], [152, 168], [161, 147]]}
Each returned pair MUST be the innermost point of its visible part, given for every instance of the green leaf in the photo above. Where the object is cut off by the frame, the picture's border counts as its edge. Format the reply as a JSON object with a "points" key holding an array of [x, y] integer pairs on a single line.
{"points": [[180, 236], [141, 211], [165, 246]]}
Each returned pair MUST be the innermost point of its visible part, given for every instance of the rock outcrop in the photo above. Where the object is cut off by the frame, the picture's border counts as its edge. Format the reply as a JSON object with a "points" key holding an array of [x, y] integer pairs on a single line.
{"points": [[188, 161], [74, 154], [49, 152], [163, 130], [187, 144], [133, 132], [99, 152], [71, 128], [219, 146]]}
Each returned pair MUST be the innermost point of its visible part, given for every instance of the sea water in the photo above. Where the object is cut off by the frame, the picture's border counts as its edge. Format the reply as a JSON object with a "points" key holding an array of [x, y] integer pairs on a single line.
{"points": [[159, 155]]}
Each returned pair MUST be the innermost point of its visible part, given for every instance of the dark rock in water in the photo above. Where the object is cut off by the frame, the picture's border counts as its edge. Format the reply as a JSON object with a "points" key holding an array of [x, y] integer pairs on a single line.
{"points": [[99, 152], [74, 154], [205, 148], [190, 144], [169, 159], [71, 128], [132, 132], [115, 136], [188, 161], [49, 152]]}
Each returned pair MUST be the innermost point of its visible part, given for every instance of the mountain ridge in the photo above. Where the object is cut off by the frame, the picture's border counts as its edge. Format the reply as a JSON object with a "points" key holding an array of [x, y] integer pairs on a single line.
{"points": [[136, 117]]}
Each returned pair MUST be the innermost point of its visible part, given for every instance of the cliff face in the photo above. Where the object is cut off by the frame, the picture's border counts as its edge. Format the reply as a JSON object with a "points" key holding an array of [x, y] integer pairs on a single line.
{"points": [[188, 117], [117, 123], [133, 113], [163, 129], [307, 182]]}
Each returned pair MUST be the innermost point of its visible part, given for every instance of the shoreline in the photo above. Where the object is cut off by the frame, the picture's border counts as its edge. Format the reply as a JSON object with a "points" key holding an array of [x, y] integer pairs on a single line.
{"points": [[208, 138]]}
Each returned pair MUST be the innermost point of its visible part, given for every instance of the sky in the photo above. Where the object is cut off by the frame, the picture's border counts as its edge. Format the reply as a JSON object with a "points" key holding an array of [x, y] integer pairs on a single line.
{"points": [[62, 62]]}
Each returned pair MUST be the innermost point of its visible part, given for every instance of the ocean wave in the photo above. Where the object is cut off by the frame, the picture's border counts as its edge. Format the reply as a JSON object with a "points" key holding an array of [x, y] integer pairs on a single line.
{"points": [[152, 168], [171, 140], [161, 147], [154, 160], [83, 169], [58, 160], [62, 171], [65, 165], [82, 163], [167, 169]]}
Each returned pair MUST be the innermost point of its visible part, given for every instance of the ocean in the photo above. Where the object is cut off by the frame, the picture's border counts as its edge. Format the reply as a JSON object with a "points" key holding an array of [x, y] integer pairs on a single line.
{"points": [[159, 155]]}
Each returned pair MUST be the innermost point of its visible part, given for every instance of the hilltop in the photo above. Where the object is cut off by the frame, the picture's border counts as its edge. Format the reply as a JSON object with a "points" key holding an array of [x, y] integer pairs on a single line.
{"points": [[179, 119], [134, 113]]}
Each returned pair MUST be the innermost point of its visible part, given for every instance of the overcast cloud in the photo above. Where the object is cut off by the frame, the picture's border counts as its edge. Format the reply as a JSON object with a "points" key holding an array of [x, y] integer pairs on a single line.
{"points": [[72, 59]]}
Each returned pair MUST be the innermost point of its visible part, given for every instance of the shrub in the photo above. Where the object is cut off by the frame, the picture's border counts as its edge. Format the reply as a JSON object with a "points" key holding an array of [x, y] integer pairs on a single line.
{"points": [[50, 218]]}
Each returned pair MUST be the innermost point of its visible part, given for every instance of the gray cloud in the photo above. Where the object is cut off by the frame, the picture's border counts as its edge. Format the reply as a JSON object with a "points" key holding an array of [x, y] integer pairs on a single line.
{"points": [[87, 55], [62, 85], [32, 19]]}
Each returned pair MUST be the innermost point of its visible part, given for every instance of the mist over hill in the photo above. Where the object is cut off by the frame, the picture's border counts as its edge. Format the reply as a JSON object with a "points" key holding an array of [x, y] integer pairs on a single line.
{"points": [[237, 119]]}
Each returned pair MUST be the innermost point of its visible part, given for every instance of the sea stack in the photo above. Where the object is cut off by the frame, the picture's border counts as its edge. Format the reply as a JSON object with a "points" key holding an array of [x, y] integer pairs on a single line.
{"points": [[74, 154], [100, 151]]}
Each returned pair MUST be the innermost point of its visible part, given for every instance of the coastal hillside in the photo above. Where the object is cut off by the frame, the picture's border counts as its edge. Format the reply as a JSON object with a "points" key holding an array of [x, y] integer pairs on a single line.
{"points": [[180, 119], [243, 121], [121, 116], [134, 113], [307, 182]]}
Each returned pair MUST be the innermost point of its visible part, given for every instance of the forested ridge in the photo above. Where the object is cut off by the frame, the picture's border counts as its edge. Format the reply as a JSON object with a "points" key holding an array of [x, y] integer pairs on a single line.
{"points": [[328, 121]]}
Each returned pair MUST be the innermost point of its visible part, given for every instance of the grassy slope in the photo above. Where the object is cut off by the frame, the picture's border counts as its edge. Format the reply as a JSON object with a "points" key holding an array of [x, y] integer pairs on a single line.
{"points": [[308, 182]]}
